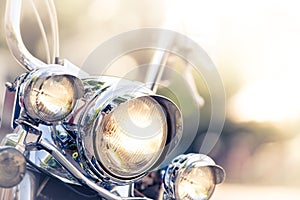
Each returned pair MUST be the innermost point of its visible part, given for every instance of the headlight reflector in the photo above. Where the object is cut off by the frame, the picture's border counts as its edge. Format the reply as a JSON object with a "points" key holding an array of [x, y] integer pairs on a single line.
{"points": [[132, 137]]}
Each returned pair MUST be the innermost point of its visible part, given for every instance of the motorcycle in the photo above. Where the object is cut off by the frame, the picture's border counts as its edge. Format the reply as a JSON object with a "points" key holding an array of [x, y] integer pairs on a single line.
{"points": [[94, 137]]}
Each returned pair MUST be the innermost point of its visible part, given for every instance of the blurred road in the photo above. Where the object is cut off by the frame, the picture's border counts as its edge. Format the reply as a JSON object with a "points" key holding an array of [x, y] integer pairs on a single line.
{"points": [[252, 192]]}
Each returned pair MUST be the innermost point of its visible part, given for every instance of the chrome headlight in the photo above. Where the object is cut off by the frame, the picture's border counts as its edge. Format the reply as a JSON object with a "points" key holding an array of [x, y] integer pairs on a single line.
{"points": [[12, 167], [49, 94], [192, 176], [132, 137], [126, 132]]}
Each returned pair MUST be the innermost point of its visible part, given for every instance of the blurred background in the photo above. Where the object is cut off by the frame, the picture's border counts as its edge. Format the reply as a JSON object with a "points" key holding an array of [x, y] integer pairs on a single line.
{"points": [[254, 45]]}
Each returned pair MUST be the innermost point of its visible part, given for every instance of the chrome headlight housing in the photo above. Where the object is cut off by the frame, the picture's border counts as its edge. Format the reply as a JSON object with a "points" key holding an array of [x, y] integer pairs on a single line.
{"points": [[127, 131], [12, 167], [192, 176], [50, 94]]}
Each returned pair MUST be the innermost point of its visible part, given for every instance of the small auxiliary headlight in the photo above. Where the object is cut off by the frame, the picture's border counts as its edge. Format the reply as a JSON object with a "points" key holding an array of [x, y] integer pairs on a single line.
{"points": [[51, 95], [192, 177], [12, 167]]}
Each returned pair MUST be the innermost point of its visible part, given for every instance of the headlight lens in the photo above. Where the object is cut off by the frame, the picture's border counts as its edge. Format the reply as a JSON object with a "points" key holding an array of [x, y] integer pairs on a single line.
{"points": [[125, 131], [195, 183], [51, 98], [12, 167], [131, 138], [192, 177]]}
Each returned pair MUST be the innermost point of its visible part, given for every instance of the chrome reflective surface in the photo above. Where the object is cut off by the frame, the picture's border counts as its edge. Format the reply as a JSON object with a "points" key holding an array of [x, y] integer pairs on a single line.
{"points": [[27, 189], [111, 93], [9, 193], [51, 161], [14, 38], [184, 163], [40, 159], [12, 167], [75, 172], [38, 93], [57, 149], [65, 148]]}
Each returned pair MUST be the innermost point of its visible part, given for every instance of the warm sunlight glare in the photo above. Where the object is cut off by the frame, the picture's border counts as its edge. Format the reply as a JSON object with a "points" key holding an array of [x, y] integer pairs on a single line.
{"points": [[266, 100]]}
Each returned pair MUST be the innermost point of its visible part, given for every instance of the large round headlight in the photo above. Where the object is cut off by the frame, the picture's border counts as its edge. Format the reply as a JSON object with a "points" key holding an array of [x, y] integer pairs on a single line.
{"points": [[131, 138], [51, 97], [125, 131]]}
